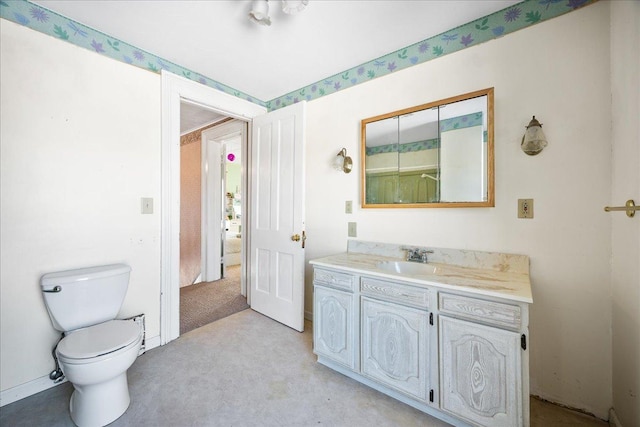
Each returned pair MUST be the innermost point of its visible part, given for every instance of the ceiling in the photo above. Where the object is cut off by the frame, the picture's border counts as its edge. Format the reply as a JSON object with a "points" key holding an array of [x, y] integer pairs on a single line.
{"points": [[216, 39], [193, 117]]}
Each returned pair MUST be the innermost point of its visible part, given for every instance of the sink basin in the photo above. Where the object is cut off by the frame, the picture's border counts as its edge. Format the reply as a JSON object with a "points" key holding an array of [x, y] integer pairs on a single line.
{"points": [[406, 267]]}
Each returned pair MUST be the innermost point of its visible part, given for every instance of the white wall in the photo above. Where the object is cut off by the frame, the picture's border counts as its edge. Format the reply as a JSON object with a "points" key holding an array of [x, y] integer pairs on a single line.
{"points": [[80, 145], [558, 71], [625, 76]]}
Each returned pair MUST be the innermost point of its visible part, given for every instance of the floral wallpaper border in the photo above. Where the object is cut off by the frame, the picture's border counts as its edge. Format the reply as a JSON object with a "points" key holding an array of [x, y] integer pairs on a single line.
{"points": [[461, 122], [48, 22], [427, 144], [498, 24]]}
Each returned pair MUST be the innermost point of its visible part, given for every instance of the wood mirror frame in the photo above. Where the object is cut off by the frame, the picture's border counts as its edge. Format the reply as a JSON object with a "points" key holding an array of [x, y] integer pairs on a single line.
{"points": [[426, 168]]}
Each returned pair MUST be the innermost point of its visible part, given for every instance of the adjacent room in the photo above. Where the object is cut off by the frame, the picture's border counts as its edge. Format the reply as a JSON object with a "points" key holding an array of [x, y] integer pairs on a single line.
{"points": [[303, 212], [210, 227]]}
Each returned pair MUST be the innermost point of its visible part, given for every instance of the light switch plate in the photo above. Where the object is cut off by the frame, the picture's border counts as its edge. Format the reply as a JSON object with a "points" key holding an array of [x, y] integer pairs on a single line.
{"points": [[348, 206], [525, 208], [146, 205], [352, 230]]}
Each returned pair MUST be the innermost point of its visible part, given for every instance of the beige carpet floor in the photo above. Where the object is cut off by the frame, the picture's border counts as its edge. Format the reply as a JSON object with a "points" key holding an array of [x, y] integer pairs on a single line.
{"points": [[247, 370], [206, 302]]}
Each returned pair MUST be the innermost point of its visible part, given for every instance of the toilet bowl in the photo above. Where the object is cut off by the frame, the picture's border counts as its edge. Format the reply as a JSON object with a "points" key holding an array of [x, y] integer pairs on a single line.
{"points": [[95, 360], [96, 350]]}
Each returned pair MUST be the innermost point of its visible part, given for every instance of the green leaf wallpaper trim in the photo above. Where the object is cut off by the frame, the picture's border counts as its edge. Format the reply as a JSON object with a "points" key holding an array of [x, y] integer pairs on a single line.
{"points": [[427, 144], [461, 122], [48, 22], [446, 125], [498, 24]]}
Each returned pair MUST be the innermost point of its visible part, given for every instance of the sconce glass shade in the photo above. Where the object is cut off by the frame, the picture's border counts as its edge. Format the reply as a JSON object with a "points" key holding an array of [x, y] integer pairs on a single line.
{"points": [[260, 12], [533, 141], [342, 162]]}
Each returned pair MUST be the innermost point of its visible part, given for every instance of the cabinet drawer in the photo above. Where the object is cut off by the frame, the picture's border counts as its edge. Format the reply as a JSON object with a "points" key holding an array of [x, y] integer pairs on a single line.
{"points": [[490, 312], [334, 279], [395, 292]]}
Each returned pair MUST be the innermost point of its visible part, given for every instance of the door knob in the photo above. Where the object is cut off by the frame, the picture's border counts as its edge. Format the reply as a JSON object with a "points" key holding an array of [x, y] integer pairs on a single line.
{"points": [[295, 237]]}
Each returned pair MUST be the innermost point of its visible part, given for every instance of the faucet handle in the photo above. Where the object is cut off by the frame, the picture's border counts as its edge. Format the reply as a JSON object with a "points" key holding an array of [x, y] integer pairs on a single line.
{"points": [[423, 254]]}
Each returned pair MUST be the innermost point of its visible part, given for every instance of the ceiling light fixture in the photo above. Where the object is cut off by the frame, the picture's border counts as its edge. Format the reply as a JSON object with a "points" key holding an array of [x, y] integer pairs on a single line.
{"points": [[259, 12], [291, 7]]}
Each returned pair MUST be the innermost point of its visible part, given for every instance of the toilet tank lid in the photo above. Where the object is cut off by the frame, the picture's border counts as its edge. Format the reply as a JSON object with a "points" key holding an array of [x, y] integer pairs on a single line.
{"points": [[99, 339], [61, 277]]}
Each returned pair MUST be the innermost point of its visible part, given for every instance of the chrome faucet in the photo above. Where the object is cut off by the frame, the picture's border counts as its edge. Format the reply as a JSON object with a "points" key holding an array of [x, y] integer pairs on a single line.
{"points": [[417, 254]]}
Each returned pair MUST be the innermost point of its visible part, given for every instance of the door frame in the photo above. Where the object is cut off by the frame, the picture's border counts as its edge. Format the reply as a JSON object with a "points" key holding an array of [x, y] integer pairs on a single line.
{"points": [[211, 194], [215, 135], [173, 89]]}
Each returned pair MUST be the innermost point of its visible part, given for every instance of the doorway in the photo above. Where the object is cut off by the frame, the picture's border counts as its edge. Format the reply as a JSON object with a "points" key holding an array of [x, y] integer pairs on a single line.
{"points": [[212, 148], [277, 145], [175, 89]]}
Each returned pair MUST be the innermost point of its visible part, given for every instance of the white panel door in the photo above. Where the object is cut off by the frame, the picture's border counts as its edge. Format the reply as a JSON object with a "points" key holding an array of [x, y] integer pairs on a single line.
{"points": [[277, 215]]}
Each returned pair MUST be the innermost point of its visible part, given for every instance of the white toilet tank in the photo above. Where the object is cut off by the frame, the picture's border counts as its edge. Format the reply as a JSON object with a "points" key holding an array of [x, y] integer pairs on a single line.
{"points": [[85, 297]]}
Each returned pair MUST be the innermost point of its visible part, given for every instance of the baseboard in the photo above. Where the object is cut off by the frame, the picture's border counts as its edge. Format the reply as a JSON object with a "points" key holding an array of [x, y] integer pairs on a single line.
{"points": [[152, 342], [570, 408], [27, 389], [613, 419], [44, 383], [308, 315]]}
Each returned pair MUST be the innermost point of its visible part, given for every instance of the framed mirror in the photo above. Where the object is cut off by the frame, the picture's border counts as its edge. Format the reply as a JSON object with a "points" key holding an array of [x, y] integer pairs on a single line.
{"points": [[433, 155]]}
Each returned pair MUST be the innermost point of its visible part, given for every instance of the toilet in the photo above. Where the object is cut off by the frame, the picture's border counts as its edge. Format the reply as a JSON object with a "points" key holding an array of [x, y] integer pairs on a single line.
{"points": [[97, 350]]}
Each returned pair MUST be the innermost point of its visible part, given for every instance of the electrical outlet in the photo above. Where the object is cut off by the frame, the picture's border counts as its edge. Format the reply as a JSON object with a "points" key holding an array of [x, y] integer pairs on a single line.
{"points": [[348, 206], [352, 230], [525, 208]]}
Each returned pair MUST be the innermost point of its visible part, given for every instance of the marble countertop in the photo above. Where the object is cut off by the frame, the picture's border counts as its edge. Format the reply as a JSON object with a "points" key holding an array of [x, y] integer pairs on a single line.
{"points": [[506, 283]]}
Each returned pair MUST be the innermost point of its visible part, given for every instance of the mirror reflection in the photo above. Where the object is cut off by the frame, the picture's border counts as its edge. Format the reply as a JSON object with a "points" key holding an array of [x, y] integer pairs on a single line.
{"points": [[434, 155]]}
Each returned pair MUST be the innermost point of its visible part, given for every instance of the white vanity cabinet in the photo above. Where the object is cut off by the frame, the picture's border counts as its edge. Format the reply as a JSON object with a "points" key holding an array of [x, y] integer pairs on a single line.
{"points": [[395, 336], [395, 346], [335, 317], [481, 369], [456, 352]]}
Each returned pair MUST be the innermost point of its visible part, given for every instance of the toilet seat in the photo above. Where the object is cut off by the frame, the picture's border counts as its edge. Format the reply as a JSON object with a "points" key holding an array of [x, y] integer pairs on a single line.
{"points": [[99, 340]]}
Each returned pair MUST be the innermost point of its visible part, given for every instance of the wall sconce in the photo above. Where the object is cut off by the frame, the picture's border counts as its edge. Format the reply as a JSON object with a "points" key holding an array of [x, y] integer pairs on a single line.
{"points": [[342, 162], [533, 140]]}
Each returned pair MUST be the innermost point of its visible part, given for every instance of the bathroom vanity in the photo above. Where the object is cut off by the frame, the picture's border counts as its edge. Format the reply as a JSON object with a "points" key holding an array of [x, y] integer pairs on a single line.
{"points": [[448, 337]]}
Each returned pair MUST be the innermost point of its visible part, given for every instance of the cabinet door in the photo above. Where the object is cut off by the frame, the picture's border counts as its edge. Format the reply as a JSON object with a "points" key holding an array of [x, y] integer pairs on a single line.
{"points": [[333, 325], [395, 346], [480, 373]]}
